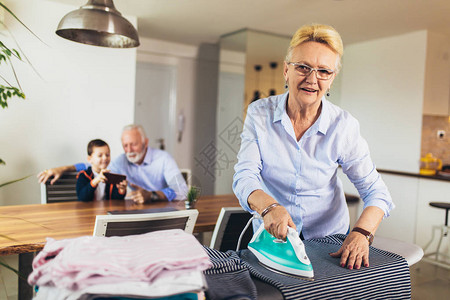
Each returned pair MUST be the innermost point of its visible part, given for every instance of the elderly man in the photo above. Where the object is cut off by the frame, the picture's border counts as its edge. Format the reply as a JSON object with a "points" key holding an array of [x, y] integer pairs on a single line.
{"points": [[152, 173]]}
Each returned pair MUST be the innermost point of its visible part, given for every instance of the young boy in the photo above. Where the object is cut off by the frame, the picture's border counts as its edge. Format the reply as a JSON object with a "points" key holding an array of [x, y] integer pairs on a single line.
{"points": [[92, 183]]}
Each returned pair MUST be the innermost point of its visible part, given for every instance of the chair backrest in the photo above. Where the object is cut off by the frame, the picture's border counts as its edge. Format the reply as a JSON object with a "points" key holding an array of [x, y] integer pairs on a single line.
{"points": [[187, 176], [123, 224], [230, 223], [64, 189]]}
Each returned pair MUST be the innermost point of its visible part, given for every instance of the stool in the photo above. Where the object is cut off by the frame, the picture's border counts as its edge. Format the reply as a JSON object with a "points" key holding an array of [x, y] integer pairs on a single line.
{"points": [[444, 233]]}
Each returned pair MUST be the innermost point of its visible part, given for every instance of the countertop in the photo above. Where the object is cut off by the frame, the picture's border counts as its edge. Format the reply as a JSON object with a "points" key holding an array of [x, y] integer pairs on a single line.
{"points": [[434, 177]]}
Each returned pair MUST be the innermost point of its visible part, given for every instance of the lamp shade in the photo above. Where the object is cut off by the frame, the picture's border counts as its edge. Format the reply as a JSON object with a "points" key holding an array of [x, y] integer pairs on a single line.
{"points": [[98, 23]]}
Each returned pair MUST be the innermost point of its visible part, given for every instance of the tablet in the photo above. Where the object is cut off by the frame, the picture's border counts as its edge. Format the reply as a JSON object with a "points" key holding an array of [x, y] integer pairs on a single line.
{"points": [[141, 211], [114, 178]]}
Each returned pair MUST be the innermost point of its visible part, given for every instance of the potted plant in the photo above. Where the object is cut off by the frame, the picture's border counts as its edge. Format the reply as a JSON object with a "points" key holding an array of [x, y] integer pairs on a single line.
{"points": [[9, 90], [192, 197], [8, 54]]}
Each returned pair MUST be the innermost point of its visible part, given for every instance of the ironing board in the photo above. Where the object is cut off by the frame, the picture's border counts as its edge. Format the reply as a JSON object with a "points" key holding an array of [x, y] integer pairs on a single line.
{"points": [[387, 277]]}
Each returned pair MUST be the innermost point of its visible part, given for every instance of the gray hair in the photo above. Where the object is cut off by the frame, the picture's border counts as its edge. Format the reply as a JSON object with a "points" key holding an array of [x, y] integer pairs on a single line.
{"points": [[138, 128]]}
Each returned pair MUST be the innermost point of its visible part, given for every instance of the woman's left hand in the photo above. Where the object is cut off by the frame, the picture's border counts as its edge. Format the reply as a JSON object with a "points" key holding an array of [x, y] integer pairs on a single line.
{"points": [[354, 252]]}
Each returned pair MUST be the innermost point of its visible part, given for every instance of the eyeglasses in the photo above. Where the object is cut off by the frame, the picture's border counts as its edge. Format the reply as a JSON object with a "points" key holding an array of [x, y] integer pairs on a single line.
{"points": [[305, 70]]}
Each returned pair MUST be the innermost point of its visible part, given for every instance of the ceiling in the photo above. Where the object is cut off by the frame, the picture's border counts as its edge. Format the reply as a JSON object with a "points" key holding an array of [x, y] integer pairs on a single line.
{"points": [[205, 21]]}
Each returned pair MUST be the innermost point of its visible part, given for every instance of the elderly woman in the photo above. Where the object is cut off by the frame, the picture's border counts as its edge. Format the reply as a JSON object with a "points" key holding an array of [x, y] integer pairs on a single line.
{"points": [[292, 145]]}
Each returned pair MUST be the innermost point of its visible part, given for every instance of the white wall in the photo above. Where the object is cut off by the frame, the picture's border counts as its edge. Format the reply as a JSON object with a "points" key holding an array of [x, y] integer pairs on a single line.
{"points": [[85, 92], [196, 98], [383, 87], [228, 128], [184, 59], [437, 75], [155, 103]]}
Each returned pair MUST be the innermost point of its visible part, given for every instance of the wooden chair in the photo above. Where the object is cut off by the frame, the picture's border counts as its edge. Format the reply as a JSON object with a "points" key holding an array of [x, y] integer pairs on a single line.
{"points": [[187, 175], [64, 189], [129, 224]]}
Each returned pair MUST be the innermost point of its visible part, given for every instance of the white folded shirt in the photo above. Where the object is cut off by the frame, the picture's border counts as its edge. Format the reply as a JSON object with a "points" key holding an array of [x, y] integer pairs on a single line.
{"points": [[187, 282]]}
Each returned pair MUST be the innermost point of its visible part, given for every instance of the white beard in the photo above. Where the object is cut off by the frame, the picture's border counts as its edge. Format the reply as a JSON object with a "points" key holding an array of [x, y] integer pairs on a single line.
{"points": [[135, 157]]}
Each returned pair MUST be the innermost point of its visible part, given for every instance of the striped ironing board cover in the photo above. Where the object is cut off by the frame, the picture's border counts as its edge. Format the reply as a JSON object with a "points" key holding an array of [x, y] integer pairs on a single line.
{"points": [[387, 277]]}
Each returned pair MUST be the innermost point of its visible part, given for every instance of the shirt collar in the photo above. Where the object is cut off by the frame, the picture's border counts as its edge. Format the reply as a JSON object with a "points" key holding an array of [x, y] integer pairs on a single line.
{"points": [[148, 157], [324, 118], [281, 108], [322, 123]]}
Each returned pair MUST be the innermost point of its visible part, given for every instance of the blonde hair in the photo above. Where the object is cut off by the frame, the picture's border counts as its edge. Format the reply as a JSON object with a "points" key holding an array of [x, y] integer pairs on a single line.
{"points": [[319, 33]]}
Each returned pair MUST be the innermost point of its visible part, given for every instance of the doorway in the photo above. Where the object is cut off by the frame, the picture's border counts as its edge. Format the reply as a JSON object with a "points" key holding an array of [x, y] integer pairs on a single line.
{"points": [[155, 100]]}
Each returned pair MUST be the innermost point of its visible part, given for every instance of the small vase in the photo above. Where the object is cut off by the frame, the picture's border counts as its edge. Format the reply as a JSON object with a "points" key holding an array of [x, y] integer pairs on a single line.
{"points": [[189, 204]]}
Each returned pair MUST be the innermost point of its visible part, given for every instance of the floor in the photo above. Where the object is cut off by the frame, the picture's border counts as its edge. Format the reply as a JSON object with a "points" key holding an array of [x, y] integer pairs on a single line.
{"points": [[8, 279], [430, 282]]}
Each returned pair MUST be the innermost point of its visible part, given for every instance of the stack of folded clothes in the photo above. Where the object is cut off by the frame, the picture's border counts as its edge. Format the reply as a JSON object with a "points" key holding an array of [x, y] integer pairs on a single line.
{"points": [[166, 264]]}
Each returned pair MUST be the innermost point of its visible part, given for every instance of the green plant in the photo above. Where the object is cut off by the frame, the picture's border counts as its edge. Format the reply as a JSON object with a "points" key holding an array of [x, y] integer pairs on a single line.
{"points": [[9, 267], [9, 90], [12, 269], [193, 194], [15, 180], [2, 263]]}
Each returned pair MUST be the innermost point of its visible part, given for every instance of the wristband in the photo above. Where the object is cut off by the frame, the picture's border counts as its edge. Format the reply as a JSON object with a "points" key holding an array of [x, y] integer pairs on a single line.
{"points": [[367, 234], [154, 196], [268, 209]]}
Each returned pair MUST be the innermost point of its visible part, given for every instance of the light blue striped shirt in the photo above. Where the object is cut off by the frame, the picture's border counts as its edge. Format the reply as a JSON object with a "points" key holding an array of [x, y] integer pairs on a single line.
{"points": [[158, 172], [302, 176]]}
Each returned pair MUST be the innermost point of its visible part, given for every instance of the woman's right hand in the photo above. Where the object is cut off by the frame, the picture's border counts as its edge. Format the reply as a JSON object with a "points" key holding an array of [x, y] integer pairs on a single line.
{"points": [[276, 222], [277, 219]]}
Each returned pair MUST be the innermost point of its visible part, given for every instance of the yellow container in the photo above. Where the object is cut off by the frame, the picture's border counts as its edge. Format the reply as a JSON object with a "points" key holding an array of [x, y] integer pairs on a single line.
{"points": [[429, 165]]}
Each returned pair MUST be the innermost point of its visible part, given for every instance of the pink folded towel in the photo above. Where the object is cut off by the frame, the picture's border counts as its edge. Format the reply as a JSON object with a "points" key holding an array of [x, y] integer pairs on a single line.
{"points": [[80, 262]]}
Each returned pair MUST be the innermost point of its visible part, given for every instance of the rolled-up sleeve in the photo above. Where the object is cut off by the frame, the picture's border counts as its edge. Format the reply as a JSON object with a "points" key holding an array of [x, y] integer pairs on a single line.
{"points": [[177, 187], [81, 167], [169, 193], [360, 169], [247, 176]]}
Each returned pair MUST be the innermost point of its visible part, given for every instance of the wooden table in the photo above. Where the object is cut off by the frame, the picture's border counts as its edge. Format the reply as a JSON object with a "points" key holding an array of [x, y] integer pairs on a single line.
{"points": [[24, 228]]}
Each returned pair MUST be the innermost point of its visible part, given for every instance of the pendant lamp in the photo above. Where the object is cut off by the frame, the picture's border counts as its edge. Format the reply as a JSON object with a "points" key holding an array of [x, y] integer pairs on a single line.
{"points": [[98, 23]]}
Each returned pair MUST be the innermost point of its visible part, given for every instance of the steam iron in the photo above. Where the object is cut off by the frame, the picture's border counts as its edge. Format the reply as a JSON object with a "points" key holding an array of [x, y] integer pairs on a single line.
{"points": [[285, 257]]}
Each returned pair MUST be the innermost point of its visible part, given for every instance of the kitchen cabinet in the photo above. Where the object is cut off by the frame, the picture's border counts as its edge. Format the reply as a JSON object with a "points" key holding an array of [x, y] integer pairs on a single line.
{"points": [[437, 75]]}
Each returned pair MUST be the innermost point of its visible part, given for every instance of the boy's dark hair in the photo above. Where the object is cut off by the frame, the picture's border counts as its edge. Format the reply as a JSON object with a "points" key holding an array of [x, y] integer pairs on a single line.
{"points": [[95, 143]]}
